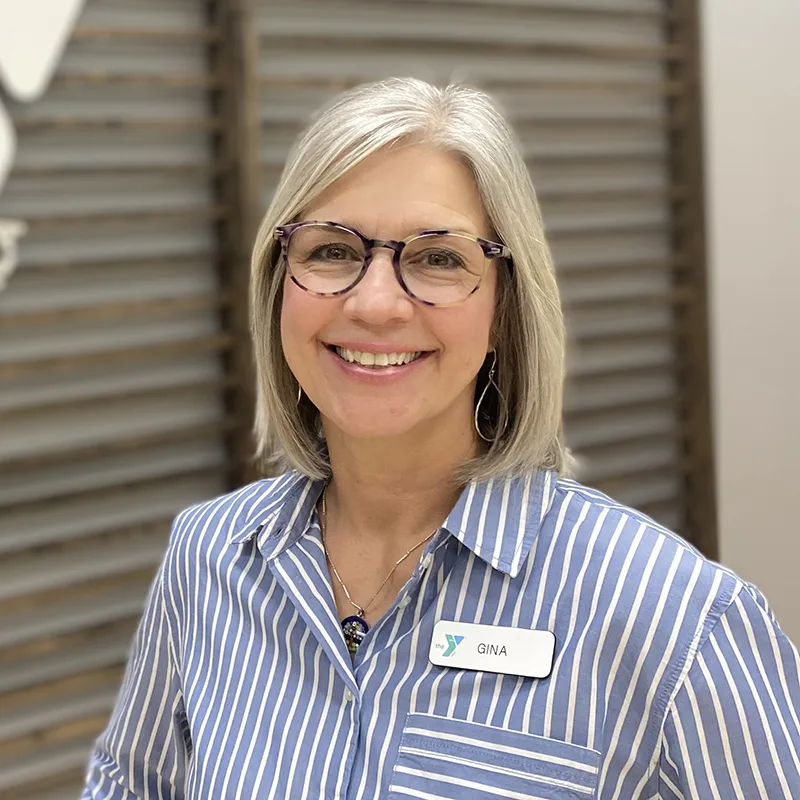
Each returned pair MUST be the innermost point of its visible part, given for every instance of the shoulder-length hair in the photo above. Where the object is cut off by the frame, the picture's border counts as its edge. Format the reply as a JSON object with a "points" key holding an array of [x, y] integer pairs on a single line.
{"points": [[528, 326]]}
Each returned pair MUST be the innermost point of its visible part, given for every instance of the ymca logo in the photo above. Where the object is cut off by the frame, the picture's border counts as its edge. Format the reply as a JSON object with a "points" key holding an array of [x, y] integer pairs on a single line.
{"points": [[452, 643], [33, 35]]}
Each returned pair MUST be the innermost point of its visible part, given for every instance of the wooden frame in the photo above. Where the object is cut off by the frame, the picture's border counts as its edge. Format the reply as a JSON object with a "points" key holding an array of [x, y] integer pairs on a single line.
{"points": [[234, 58], [692, 339]]}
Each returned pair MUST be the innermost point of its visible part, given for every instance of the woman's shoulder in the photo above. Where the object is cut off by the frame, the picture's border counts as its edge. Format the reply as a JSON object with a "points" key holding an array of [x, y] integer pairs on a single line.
{"points": [[606, 515], [644, 582], [629, 542]]}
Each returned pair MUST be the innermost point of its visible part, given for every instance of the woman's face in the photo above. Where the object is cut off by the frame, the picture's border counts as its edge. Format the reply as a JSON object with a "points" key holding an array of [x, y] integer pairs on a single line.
{"points": [[391, 195]]}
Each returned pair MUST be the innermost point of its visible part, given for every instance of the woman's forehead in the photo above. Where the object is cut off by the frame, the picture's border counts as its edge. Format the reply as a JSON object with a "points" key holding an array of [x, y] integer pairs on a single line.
{"points": [[412, 188]]}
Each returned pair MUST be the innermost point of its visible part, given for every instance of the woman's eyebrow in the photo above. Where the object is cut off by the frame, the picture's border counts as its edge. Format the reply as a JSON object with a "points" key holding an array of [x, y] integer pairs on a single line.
{"points": [[435, 225], [413, 230], [451, 228]]}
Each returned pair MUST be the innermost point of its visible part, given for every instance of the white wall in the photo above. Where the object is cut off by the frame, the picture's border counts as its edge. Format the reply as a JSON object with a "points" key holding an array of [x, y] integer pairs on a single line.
{"points": [[752, 98]]}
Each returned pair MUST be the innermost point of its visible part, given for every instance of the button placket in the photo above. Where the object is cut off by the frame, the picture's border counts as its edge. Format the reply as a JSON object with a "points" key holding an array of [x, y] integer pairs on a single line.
{"points": [[351, 750]]}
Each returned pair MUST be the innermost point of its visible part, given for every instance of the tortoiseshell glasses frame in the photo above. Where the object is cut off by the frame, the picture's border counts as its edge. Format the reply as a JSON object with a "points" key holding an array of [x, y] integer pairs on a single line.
{"points": [[491, 250]]}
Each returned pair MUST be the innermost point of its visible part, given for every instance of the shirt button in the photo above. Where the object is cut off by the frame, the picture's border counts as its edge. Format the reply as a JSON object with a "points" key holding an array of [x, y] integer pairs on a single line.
{"points": [[404, 601], [348, 696], [427, 561]]}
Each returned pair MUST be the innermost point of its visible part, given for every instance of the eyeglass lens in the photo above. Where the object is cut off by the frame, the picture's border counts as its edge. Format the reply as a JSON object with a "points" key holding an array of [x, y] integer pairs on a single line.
{"points": [[436, 268]]}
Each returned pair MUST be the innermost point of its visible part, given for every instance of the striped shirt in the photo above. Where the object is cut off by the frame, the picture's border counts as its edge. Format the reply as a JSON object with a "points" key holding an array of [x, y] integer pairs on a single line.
{"points": [[670, 679]]}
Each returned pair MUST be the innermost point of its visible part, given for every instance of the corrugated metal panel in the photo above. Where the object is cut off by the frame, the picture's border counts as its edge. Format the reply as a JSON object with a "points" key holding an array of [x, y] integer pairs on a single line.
{"points": [[111, 382], [586, 85]]}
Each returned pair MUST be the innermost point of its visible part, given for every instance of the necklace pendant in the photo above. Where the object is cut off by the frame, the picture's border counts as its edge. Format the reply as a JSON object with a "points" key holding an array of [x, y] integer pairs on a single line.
{"points": [[354, 629]]}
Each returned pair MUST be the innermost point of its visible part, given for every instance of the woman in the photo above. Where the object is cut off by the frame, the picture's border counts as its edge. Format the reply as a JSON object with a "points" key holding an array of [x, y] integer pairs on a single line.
{"points": [[424, 605]]}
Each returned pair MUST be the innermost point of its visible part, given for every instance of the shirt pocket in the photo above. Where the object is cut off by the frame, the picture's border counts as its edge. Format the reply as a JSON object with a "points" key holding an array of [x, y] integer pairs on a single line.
{"points": [[441, 757]]}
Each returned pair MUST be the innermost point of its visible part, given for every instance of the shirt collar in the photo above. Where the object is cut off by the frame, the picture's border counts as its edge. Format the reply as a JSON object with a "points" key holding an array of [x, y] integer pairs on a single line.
{"points": [[280, 514], [497, 520]]}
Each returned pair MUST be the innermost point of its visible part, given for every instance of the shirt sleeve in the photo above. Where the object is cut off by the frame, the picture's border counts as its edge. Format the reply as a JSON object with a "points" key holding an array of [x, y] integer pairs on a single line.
{"points": [[732, 729], [145, 747]]}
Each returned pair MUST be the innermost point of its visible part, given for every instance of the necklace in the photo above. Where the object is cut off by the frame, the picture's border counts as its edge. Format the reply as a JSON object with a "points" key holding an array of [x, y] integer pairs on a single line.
{"points": [[355, 627]]}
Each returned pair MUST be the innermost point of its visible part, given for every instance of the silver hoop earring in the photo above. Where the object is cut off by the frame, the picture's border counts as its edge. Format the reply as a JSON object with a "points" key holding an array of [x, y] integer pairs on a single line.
{"points": [[501, 401], [299, 393]]}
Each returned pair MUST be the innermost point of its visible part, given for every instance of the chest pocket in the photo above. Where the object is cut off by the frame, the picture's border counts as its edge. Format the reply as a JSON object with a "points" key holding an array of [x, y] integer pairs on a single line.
{"points": [[449, 758]]}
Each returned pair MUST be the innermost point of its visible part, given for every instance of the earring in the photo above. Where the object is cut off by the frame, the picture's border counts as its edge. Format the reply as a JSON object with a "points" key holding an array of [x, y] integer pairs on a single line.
{"points": [[501, 401], [299, 393]]}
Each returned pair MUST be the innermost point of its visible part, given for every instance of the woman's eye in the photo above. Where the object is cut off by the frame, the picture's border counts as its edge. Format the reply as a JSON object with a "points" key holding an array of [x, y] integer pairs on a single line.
{"points": [[334, 252], [441, 259]]}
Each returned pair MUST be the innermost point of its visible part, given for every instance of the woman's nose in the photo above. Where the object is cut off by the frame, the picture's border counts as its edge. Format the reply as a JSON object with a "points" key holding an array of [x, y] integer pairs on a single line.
{"points": [[379, 298]]}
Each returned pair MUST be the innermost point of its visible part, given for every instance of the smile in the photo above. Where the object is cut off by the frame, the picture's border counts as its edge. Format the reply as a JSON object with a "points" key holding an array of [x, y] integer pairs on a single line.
{"points": [[376, 360]]}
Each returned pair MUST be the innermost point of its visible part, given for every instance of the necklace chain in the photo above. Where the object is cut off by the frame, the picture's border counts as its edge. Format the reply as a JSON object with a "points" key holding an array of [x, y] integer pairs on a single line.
{"points": [[361, 610]]}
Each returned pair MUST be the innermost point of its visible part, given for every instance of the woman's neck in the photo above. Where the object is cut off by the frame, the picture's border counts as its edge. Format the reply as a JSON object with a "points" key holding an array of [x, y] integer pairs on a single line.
{"points": [[390, 494]]}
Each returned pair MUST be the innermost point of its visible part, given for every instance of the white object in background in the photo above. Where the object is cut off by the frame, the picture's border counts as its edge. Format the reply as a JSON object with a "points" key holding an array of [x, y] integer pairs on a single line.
{"points": [[8, 144], [33, 34], [11, 231]]}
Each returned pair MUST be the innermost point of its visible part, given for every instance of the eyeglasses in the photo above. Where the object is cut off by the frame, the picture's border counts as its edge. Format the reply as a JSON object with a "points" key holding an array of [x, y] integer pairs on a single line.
{"points": [[436, 267]]}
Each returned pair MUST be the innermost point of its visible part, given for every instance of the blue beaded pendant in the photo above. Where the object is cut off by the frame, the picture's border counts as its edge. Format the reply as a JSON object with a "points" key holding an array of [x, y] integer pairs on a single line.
{"points": [[354, 630]]}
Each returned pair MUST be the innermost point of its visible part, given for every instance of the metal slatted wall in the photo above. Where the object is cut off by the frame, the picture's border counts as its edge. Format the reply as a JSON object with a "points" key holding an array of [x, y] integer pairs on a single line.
{"points": [[588, 87], [112, 412]]}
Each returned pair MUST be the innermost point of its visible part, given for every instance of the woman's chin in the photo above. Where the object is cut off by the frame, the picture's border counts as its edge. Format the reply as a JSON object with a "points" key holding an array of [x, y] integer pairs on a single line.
{"points": [[371, 424], [368, 429]]}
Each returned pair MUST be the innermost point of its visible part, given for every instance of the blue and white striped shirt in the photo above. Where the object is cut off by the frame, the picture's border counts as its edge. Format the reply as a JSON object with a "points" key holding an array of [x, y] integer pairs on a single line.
{"points": [[671, 678]]}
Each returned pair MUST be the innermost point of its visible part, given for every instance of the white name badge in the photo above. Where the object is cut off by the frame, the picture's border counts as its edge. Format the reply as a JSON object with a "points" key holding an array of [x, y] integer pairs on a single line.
{"points": [[488, 648]]}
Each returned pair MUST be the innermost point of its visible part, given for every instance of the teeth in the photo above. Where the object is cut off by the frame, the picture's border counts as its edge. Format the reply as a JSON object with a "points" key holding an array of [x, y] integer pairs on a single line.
{"points": [[377, 359]]}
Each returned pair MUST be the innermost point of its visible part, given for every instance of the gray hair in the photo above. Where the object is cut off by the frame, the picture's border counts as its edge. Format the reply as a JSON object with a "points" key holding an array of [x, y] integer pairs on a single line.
{"points": [[528, 327]]}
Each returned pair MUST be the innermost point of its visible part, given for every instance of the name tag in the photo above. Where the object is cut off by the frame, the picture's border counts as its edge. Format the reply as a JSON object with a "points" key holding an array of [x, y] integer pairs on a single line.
{"points": [[488, 648]]}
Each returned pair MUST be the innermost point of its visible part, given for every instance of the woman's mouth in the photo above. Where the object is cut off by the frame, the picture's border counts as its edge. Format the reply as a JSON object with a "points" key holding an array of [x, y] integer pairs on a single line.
{"points": [[377, 361]]}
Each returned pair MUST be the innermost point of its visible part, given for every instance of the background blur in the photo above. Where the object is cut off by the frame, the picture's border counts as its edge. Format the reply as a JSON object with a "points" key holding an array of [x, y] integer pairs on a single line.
{"points": [[667, 173]]}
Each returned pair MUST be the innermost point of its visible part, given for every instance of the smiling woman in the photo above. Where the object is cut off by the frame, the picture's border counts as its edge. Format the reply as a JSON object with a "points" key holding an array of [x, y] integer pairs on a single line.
{"points": [[373, 312], [423, 603]]}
